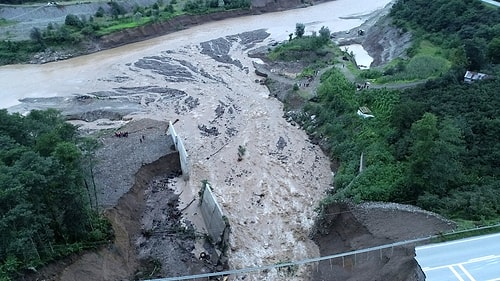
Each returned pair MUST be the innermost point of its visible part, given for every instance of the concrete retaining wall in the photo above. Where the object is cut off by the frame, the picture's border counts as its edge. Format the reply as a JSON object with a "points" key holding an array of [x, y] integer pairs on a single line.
{"points": [[179, 146], [216, 223], [212, 215]]}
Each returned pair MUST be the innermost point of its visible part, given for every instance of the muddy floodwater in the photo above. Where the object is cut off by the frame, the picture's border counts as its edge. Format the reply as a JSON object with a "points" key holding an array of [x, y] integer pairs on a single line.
{"points": [[203, 77], [88, 73]]}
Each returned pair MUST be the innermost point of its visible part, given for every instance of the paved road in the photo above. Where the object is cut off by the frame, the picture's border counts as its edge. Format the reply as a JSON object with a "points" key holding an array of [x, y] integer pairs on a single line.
{"points": [[471, 259]]}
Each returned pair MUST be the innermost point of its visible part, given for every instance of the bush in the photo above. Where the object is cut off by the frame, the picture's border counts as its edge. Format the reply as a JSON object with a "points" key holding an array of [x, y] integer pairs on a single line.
{"points": [[16, 52], [88, 30], [100, 12], [169, 8], [73, 20], [235, 4], [370, 74]]}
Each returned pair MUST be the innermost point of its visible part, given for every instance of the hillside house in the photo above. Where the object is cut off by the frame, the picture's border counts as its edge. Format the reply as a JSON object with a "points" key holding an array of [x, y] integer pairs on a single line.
{"points": [[365, 112], [471, 76]]}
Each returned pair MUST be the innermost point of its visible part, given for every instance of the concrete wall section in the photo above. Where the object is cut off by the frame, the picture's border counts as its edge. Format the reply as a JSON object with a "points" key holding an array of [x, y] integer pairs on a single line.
{"points": [[179, 146], [212, 215]]}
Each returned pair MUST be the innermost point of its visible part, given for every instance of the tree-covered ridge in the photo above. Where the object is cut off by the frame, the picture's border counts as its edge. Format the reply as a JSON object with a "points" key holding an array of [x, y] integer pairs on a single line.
{"points": [[461, 175], [44, 211], [450, 16], [436, 145], [468, 29]]}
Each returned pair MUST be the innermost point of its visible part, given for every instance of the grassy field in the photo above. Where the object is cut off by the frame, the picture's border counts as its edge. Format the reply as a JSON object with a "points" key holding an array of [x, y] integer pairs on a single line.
{"points": [[428, 61], [117, 25]]}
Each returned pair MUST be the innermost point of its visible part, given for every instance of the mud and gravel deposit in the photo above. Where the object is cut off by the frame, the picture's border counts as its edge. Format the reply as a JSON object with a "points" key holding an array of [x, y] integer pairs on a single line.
{"points": [[271, 193], [269, 196]]}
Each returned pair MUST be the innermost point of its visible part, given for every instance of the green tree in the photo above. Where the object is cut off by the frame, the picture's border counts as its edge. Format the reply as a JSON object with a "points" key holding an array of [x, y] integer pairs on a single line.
{"points": [[169, 8], [100, 12], [434, 160], [36, 35], [193, 5], [73, 20], [14, 126], [494, 50], [67, 153], [117, 9], [324, 34], [476, 52], [458, 57], [299, 30], [424, 133], [212, 4], [43, 207]]}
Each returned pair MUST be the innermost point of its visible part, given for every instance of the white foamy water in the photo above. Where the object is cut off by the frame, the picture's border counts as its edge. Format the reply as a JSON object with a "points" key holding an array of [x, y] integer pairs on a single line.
{"points": [[362, 57]]}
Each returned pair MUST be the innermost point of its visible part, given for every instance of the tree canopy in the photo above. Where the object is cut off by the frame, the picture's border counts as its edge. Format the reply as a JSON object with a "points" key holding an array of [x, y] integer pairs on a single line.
{"points": [[457, 25], [300, 29], [43, 210], [435, 145]]}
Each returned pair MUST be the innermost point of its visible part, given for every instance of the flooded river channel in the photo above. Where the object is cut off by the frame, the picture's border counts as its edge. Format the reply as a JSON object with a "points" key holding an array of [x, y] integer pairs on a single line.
{"points": [[204, 77], [89, 73]]}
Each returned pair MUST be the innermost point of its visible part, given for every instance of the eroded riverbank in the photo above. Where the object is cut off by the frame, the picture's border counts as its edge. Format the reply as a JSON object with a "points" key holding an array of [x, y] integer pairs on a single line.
{"points": [[209, 86]]}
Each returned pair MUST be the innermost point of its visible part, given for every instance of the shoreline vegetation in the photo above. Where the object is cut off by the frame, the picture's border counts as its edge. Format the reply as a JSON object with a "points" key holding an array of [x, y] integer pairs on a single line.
{"points": [[48, 207], [428, 145], [113, 25]]}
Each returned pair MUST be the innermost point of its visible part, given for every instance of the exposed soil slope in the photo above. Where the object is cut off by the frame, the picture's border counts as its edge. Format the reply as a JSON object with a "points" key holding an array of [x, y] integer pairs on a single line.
{"points": [[149, 238], [353, 227]]}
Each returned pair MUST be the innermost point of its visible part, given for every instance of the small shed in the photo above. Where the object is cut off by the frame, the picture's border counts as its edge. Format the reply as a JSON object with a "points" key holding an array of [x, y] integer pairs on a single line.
{"points": [[365, 112], [471, 76]]}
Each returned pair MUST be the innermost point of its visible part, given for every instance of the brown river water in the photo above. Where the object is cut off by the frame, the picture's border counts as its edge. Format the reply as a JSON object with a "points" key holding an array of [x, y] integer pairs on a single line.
{"points": [[83, 74]]}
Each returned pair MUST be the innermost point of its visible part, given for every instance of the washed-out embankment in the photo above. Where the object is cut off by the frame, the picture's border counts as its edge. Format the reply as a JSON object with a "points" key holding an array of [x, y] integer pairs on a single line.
{"points": [[149, 237]]}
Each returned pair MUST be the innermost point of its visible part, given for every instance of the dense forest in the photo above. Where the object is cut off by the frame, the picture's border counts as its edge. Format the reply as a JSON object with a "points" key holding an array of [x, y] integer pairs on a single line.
{"points": [[45, 210], [469, 30], [435, 145]]}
